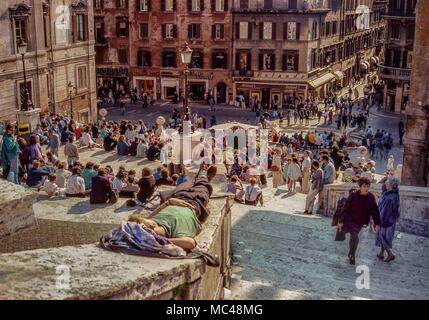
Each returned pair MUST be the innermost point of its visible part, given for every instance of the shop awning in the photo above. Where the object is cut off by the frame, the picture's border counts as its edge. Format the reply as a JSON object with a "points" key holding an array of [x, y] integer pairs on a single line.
{"points": [[338, 74], [315, 83]]}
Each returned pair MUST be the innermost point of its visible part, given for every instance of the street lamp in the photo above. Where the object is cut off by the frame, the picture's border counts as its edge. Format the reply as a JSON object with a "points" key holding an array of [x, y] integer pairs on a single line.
{"points": [[71, 87], [22, 50], [186, 56]]}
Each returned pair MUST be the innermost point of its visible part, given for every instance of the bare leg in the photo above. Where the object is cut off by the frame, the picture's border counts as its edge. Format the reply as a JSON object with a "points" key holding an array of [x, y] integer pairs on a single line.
{"points": [[185, 243]]}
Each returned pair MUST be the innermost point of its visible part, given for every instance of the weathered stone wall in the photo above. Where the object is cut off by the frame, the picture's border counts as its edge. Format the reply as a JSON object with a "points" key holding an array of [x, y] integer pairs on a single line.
{"points": [[16, 208], [414, 205], [96, 273]]}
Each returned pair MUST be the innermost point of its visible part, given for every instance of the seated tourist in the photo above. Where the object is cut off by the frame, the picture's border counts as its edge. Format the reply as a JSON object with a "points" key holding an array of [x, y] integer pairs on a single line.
{"points": [[86, 139], [101, 190], [133, 147], [62, 175], [75, 186], [147, 185], [235, 186], [125, 189], [88, 173], [35, 175], [180, 217], [51, 158], [51, 188], [123, 146], [157, 173], [183, 177], [141, 149], [109, 143], [175, 177], [153, 152], [253, 194], [165, 178]]}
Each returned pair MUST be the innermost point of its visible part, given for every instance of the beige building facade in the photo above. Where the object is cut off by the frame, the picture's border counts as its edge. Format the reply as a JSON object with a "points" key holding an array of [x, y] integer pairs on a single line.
{"points": [[59, 59]]}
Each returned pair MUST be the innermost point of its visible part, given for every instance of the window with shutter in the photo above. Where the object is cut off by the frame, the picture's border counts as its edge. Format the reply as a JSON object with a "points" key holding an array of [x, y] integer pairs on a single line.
{"points": [[219, 59], [139, 58], [197, 60], [268, 4], [244, 4], [218, 5], [298, 31], [285, 31], [244, 30], [267, 30], [274, 31], [169, 5], [291, 61], [122, 55], [144, 30], [291, 31]]}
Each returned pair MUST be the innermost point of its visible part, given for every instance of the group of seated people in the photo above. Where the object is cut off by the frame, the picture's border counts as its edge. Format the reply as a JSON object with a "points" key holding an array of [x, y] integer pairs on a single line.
{"points": [[102, 185]]}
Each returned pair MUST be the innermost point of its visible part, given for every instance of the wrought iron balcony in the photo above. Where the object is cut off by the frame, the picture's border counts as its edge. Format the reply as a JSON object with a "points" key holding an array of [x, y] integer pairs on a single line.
{"points": [[242, 73], [399, 14], [393, 73]]}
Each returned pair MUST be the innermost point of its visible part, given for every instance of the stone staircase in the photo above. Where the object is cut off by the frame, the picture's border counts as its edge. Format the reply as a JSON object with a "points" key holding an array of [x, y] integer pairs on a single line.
{"points": [[279, 253]]}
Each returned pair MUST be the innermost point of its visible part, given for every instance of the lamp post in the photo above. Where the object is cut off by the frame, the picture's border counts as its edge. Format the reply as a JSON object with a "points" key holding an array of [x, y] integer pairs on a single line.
{"points": [[71, 87], [186, 56], [22, 50]]}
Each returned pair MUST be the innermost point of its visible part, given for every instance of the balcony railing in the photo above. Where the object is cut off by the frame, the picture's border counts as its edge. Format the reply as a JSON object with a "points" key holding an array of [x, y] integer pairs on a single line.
{"points": [[394, 73], [400, 14], [242, 73], [281, 7]]}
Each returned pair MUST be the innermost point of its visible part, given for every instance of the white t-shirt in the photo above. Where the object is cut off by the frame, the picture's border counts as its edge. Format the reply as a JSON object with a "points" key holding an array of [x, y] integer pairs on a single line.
{"points": [[50, 187], [75, 185]]}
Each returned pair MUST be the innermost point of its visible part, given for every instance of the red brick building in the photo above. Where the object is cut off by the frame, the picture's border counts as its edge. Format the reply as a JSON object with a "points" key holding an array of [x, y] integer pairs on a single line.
{"points": [[138, 45]]}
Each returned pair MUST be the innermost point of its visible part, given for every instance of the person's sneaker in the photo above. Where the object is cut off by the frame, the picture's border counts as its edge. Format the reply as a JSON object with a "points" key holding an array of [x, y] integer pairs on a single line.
{"points": [[306, 212], [352, 259]]}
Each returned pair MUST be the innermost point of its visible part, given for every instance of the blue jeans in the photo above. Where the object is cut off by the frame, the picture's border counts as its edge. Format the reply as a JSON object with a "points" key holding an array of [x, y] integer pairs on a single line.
{"points": [[13, 170]]}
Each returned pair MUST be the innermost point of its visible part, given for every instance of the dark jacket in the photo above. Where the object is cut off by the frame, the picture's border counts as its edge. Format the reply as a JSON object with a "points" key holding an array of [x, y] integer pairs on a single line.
{"points": [[147, 187], [35, 177], [197, 193], [109, 144], [101, 190], [388, 205], [359, 209]]}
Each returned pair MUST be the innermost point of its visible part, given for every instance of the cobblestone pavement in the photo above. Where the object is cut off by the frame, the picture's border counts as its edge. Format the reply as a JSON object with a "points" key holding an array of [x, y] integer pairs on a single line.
{"points": [[55, 233]]}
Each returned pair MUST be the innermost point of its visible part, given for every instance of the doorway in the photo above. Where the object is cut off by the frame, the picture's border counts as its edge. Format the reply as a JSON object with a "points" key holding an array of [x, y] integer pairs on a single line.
{"points": [[221, 92], [265, 98]]}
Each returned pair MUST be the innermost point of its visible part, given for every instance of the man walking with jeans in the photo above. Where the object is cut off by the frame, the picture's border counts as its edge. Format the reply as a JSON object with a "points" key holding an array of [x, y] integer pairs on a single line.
{"points": [[316, 187]]}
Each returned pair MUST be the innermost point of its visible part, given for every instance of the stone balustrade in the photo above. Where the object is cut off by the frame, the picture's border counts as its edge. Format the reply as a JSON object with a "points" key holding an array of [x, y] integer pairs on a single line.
{"points": [[414, 205], [16, 208]]}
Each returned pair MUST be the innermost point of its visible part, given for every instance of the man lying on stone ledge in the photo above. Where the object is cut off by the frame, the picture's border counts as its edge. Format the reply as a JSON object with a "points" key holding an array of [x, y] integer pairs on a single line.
{"points": [[182, 211]]}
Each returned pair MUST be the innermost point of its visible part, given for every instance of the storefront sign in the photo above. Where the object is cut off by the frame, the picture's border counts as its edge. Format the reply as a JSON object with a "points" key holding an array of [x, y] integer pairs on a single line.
{"points": [[200, 75], [170, 74], [280, 75], [112, 72]]}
